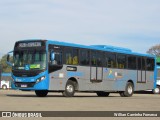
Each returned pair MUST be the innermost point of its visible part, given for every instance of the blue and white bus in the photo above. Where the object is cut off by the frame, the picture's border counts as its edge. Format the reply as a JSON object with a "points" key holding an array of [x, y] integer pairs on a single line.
{"points": [[50, 66]]}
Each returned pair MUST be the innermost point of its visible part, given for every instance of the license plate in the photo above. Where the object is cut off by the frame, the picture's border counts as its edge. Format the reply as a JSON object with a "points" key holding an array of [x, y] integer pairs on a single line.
{"points": [[24, 85]]}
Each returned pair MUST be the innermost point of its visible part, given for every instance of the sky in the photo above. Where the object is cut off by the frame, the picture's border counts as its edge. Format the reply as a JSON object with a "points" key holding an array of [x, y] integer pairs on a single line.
{"points": [[133, 24]]}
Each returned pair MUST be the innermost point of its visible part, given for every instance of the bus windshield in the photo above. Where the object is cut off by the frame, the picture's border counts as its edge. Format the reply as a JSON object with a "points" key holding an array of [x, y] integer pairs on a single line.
{"points": [[29, 60]]}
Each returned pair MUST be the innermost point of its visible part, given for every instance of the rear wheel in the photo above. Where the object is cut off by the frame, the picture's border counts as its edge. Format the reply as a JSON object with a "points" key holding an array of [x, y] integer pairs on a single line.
{"points": [[121, 94], [129, 90], [103, 94], [69, 89], [157, 90], [41, 93]]}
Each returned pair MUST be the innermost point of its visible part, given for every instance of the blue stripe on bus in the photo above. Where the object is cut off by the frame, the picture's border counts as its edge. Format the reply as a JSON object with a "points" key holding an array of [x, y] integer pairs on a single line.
{"points": [[78, 74]]}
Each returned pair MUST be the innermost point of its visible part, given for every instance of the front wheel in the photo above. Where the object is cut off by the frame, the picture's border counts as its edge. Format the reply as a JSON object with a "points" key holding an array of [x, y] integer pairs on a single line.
{"points": [[129, 90], [70, 89], [41, 93]]}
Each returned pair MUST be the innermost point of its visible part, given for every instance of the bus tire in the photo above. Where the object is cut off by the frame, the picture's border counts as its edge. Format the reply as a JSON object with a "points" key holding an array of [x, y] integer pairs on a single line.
{"points": [[121, 94], [102, 94], [41, 93], [4, 87], [69, 89], [129, 90], [156, 90]]}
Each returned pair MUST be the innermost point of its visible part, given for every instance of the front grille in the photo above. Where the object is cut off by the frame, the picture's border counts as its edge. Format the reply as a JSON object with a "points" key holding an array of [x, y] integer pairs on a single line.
{"points": [[22, 84], [24, 73]]}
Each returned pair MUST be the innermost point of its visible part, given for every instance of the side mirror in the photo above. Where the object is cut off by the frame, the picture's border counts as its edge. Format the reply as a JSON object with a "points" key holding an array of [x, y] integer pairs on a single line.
{"points": [[52, 56], [10, 58]]}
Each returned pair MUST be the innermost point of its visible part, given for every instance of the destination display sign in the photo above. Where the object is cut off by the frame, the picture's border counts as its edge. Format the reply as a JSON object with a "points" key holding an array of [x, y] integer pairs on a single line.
{"points": [[30, 44]]}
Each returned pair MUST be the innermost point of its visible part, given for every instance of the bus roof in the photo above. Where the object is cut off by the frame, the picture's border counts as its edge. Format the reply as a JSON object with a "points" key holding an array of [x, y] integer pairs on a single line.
{"points": [[93, 47], [101, 47]]}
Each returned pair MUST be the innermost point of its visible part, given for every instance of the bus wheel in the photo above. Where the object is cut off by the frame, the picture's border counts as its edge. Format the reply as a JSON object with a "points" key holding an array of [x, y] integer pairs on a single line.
{"points": [[70, 89], [128, 90], [4, 87], [41, 93], [156, 90], [103, 94]]}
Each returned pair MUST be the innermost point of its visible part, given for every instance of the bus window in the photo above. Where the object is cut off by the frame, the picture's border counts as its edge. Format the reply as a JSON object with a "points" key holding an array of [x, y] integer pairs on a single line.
{"points": [[132, 62], [111, 60], [93, 58], [139, 63], [58, 57], [84, 57], [68, 56], [100, 59], [150, 64], [75, 57], [121, 61], [143, 63]]}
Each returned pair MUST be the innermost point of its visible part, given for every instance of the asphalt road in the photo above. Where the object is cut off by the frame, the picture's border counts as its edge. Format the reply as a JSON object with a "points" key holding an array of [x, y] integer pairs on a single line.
{"points": [[11, 100]]}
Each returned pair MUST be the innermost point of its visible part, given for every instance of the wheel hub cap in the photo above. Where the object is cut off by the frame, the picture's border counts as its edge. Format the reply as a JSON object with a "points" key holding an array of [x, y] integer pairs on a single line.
{"points": [[156, 90], [70, 88], [130, 90]]}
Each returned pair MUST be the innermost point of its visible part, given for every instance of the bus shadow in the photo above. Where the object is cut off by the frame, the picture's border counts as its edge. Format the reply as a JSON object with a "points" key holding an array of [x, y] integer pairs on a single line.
{"points": [[14, 95], [144, 92], [59, 96]]}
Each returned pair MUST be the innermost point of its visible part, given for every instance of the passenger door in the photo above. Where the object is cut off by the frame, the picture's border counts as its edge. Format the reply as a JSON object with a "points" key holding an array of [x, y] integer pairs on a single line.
{"points": [[96, 68], [141, 73]]}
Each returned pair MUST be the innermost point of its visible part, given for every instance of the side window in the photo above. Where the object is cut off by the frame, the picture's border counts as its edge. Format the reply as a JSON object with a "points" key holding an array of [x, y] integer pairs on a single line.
{"points": [[132, 62], [139, 63], [58, 57], [68, 56], [84, 57], [75, 57], [106, 60], [121, 61], [143, 63], [71, 56], [100, 59], [93, 58], [111, 60], [150, 64]]}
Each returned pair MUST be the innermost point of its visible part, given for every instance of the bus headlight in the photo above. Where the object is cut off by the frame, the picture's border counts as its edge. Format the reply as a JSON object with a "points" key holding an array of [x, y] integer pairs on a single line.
{"points": [[40, 79]]}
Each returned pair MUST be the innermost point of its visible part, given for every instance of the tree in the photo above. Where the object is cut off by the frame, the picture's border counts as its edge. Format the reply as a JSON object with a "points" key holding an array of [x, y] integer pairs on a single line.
{"points": [[154, 50], [5, 66]]}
